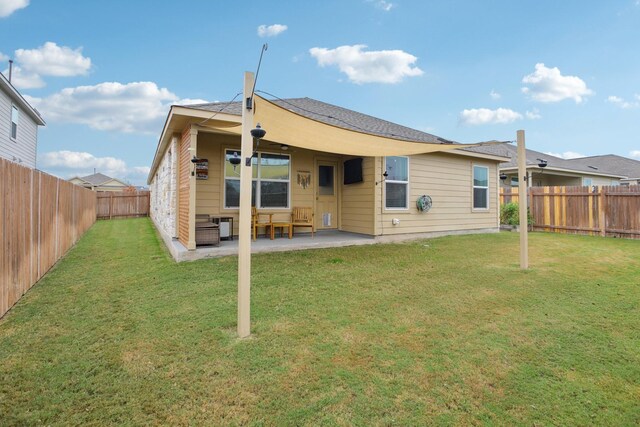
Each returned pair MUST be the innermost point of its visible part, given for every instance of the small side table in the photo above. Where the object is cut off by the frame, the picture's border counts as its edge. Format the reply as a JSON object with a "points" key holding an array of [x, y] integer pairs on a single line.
{"points": [[281, 226], [219, 220]]}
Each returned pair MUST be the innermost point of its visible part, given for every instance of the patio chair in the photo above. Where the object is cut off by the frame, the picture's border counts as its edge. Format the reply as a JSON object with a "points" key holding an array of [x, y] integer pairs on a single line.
{"points": [[303, 217], [257, 221]]}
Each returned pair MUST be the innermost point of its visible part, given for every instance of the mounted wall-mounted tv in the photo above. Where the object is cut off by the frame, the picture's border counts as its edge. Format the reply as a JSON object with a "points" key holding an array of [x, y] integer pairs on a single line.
{"points": [[353, 171]]}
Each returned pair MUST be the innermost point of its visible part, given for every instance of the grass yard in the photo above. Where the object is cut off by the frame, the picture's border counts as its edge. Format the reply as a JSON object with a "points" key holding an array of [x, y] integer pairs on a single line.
{"points": [[442, 331]]}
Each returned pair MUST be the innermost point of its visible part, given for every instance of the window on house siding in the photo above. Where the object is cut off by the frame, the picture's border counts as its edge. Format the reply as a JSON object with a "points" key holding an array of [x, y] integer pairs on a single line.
{"points": [[14, 122], [397, 182], [480, 187], [270, 185]]}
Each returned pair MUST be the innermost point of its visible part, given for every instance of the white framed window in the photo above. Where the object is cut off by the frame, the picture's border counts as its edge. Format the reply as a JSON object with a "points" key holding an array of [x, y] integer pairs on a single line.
{"points": [[15, 115], [480, 187], [397, 182], [271, 181]]}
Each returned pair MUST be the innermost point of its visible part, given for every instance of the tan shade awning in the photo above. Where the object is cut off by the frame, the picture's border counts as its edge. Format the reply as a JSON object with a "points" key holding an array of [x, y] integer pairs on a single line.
{"points": [[287, 127]]}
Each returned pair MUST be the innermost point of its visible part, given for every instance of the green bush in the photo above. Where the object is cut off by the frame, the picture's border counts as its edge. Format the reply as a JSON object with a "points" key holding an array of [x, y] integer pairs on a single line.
{"points": [[510, 214]]}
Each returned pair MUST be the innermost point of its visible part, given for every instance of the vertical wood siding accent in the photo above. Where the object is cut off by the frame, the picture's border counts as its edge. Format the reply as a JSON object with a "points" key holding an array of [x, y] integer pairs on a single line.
{"points": [[184, 163], [41, 218], [359, 201]]}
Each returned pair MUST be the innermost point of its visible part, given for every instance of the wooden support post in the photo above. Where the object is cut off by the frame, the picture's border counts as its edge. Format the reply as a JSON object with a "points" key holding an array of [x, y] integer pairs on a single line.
{"points": [[244, 232], [522, 190], [602, 214]]}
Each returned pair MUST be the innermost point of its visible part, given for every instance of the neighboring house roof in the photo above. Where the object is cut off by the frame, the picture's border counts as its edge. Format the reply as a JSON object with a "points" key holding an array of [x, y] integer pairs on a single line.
{"points": [[612, 163], [335, 116], [553, 163], [98, 179], [15, 96]]}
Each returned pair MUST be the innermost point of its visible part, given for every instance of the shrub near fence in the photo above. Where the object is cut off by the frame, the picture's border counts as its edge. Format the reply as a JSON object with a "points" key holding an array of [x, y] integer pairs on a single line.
{"points": [[606, 211], [41, 217], [122, 204]]}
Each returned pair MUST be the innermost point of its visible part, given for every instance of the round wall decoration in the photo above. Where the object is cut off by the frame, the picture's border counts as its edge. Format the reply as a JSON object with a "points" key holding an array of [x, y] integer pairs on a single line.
{"points": [[424, 203]]}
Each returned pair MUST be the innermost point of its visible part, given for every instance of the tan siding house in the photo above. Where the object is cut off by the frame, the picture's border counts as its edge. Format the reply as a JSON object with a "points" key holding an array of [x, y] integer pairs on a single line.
{"points": [[381, 203], [99, 182]]}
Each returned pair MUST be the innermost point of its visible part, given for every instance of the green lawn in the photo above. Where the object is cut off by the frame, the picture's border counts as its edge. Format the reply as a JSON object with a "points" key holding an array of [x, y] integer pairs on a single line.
{"points": [[442, 331]]}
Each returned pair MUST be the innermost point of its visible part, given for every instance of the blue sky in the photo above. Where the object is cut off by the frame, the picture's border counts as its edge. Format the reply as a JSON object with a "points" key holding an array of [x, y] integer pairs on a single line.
{"points": [[104, 73]]}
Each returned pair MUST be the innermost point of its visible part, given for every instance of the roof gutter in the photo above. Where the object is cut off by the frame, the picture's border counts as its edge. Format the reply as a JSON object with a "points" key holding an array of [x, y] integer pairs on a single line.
{"points": [[571, 171]]}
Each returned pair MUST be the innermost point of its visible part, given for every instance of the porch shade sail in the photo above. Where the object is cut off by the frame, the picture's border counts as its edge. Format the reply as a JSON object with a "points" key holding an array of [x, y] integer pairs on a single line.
{"points": [[287, 127]]}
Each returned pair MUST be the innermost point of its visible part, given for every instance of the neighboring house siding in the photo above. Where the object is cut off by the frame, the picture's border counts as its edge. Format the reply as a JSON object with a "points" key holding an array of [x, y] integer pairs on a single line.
{"points": [[447, 179], [23, 149], [164, 193]]}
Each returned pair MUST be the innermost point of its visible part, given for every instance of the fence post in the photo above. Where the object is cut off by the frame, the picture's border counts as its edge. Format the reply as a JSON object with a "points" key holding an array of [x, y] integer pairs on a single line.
{"points": [[602, 216], [110, 204]]}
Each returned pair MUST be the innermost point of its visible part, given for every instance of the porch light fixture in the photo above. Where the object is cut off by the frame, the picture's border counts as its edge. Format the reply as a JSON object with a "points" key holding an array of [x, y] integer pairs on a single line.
{"points": [[235, 160], [258, 133], [503, 176], [194, 160], [284, 147], [384, 178]]}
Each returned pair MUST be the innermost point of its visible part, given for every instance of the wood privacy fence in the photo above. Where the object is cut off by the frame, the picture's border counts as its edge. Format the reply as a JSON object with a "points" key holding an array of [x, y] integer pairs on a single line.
{"points": [[122, 204], [41, 217], [605, 211]]}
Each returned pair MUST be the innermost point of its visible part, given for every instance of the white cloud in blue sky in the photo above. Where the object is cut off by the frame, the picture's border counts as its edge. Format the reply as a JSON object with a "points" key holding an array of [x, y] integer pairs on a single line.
{"points": [[385, 5], [484, 116], [566, 154], [494, 95], [47, 60], [7, 7], [78, 163], [138, 107], [549, 85], [622, 103], [271, 30], [381, 66]]}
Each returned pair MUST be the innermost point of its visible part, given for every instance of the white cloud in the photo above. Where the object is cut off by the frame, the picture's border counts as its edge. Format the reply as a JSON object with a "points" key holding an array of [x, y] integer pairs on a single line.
{"points": [[47, 60], [620, 102], [68, 164], [271, 30], [53, 60], [191, 101], [549, 85], [7, 7], [382, 66], [635, 153], [138, 107], [533, 114], [494, 95], [3, 57], [385, 5], [483, 116], [565, 155], [22, 79]]}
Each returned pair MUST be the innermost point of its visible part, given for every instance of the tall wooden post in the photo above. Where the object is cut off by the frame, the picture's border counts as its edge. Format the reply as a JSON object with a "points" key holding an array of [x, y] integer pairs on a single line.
{"points": [[244, 232], [522, 189], [602, 213]]}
